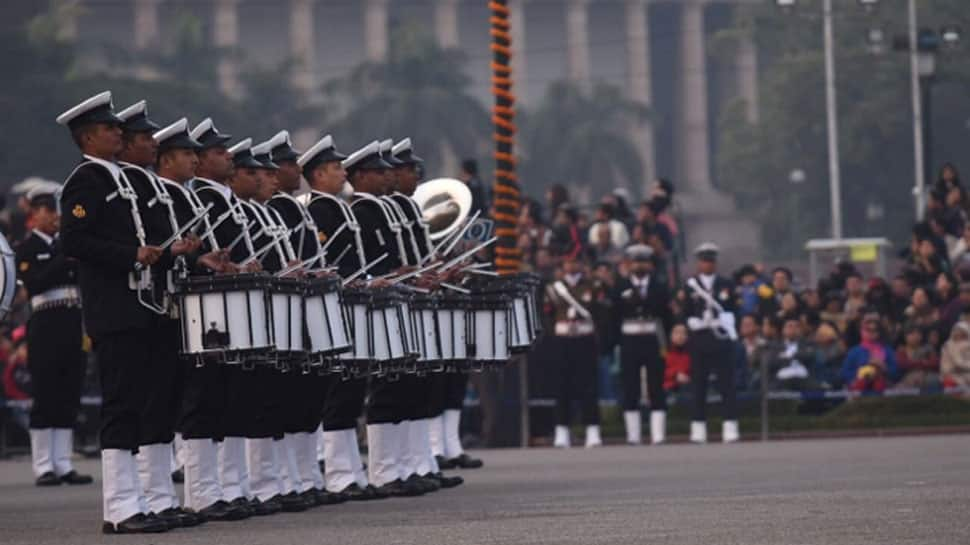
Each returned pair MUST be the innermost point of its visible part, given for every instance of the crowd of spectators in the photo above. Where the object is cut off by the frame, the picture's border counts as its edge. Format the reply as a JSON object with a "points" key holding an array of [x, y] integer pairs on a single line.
{"points": [[862, 334]]}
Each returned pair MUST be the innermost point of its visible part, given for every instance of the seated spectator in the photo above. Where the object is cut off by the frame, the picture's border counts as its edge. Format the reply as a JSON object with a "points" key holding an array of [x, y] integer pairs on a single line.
{"points": [[918, 360], [649, 225], [677, 360], [749, 284], [955, 363], [829, 353], [959, 250], [769, 345], [901, 292], [921, 312], [926, 264], [812, 300], [790, 308], [771, 296], [833, 313], [791, 359], [953, 219], [870, 367], [751, 342]]}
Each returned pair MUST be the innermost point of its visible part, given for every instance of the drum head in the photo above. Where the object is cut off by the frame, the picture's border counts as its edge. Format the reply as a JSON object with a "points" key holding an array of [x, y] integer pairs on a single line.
{"points": [[8, 281]]}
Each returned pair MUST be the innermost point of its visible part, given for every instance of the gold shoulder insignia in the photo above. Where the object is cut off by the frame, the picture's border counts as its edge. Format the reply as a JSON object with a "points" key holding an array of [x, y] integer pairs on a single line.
{"points": [[79, 211], [321, 236], [24, 265]]}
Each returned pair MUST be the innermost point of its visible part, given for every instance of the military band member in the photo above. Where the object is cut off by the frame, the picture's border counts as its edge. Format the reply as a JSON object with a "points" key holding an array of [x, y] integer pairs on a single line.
{"points": [[205, 390], [310, 387], [141, 151], [644, 307], [709, 306], [54, 337], [102, 230], [323, 169], [574, 347]]}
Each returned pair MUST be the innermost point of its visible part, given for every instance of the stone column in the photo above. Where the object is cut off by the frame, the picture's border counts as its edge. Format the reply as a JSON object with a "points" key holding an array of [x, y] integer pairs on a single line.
{"points": [[639, 83], [302, 45], [746, 64], [146, 24], [577, 42], [694, 146], [519, 66], [226, 38], [375, 29], [446, 23]]}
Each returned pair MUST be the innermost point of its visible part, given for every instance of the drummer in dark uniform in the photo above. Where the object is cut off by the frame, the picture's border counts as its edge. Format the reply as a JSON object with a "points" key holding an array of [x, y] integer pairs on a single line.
{"points": [[310, 388], [644, 307], [573, 342], [428, 390], [55, 358], [204, 395], [323, 169], [101, 229], [709, 305]]}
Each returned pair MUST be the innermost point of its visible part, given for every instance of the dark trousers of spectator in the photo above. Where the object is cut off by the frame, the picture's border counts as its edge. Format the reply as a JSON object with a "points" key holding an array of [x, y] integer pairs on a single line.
{"points": [[56, 363], [576, 378], [637, 351], [709, 354]]}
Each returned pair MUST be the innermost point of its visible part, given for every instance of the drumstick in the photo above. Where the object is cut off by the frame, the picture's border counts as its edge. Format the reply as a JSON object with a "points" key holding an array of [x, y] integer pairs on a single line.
{"points": [[364, 269], [447, 239], [455, 288], [219, 221], [461, 232], [262, 251], [188, 225], [481, 272], [413, 273], [467, 254], [333, 237], [239, 237]]}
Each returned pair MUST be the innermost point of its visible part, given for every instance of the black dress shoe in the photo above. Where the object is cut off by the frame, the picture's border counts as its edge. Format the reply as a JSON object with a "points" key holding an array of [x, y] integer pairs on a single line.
{"points": [[444, 463], [73, 477], [221, 511], [325, 497], [292, 502], [242, 504], [136, 524], [466, 462], [310, 498], [176, 517], [48, 479], [424, 483], [400, 489], [178, 476], [448, 482], [354, 492], [265, 508]]}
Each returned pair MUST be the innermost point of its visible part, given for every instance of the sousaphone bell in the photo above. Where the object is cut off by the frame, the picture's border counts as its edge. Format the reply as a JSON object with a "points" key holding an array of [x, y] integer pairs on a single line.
{"points": [[445, 203]]}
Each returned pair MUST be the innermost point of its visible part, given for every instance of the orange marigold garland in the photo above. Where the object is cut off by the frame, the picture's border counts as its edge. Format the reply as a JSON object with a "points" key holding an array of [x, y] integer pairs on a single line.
{"points": [[506, 204]]}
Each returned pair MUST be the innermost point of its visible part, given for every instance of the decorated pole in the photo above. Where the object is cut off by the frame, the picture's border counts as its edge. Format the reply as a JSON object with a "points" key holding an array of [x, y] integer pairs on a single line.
{"points": [[508, 256]]}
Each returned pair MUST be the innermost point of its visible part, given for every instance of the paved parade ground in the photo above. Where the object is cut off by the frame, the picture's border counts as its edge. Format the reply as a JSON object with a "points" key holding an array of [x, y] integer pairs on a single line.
{"points": [[865, 491]]}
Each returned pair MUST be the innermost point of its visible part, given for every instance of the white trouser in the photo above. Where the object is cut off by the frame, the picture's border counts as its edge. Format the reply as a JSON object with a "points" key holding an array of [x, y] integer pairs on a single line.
{"points": [[305, 450], [120, 491], [342, 457], [233, 473], [42, 450], [291, 469], [407, 456], [437, 435], [453, 434], [634, 427], [202, 487], [420, 444], [62, 451], [178, 452], [383, 447], [264, 468], [155, 473], [319, 443]]}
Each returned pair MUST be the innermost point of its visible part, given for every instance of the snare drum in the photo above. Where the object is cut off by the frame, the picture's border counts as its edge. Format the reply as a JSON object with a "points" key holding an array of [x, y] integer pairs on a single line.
{"points": [[8, 277], [286, 296], [327, 331], [423, 312], [522, 332], [226, 319], [392, 340], [490, 324], [452, 318], [356, 360]]}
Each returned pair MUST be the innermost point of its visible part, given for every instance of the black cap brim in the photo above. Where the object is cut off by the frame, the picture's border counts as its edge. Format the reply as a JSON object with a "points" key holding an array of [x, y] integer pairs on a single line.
{"points": [[181, 141], [247, 162], [140, 124]]}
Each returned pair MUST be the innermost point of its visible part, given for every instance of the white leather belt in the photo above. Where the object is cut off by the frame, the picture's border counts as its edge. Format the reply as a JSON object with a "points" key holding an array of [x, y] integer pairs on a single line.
{"points": [[65, 296], [696, 324], [639, 327], [574, 329]]}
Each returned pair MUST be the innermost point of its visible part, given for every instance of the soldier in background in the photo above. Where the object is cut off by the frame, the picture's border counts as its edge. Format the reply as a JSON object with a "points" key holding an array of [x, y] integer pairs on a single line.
{"points": [[55, 358]]}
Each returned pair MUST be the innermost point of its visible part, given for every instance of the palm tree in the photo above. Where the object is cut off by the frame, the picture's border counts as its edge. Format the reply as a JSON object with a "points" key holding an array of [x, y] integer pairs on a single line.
{"points": [[580, 139], [420, 91]]}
